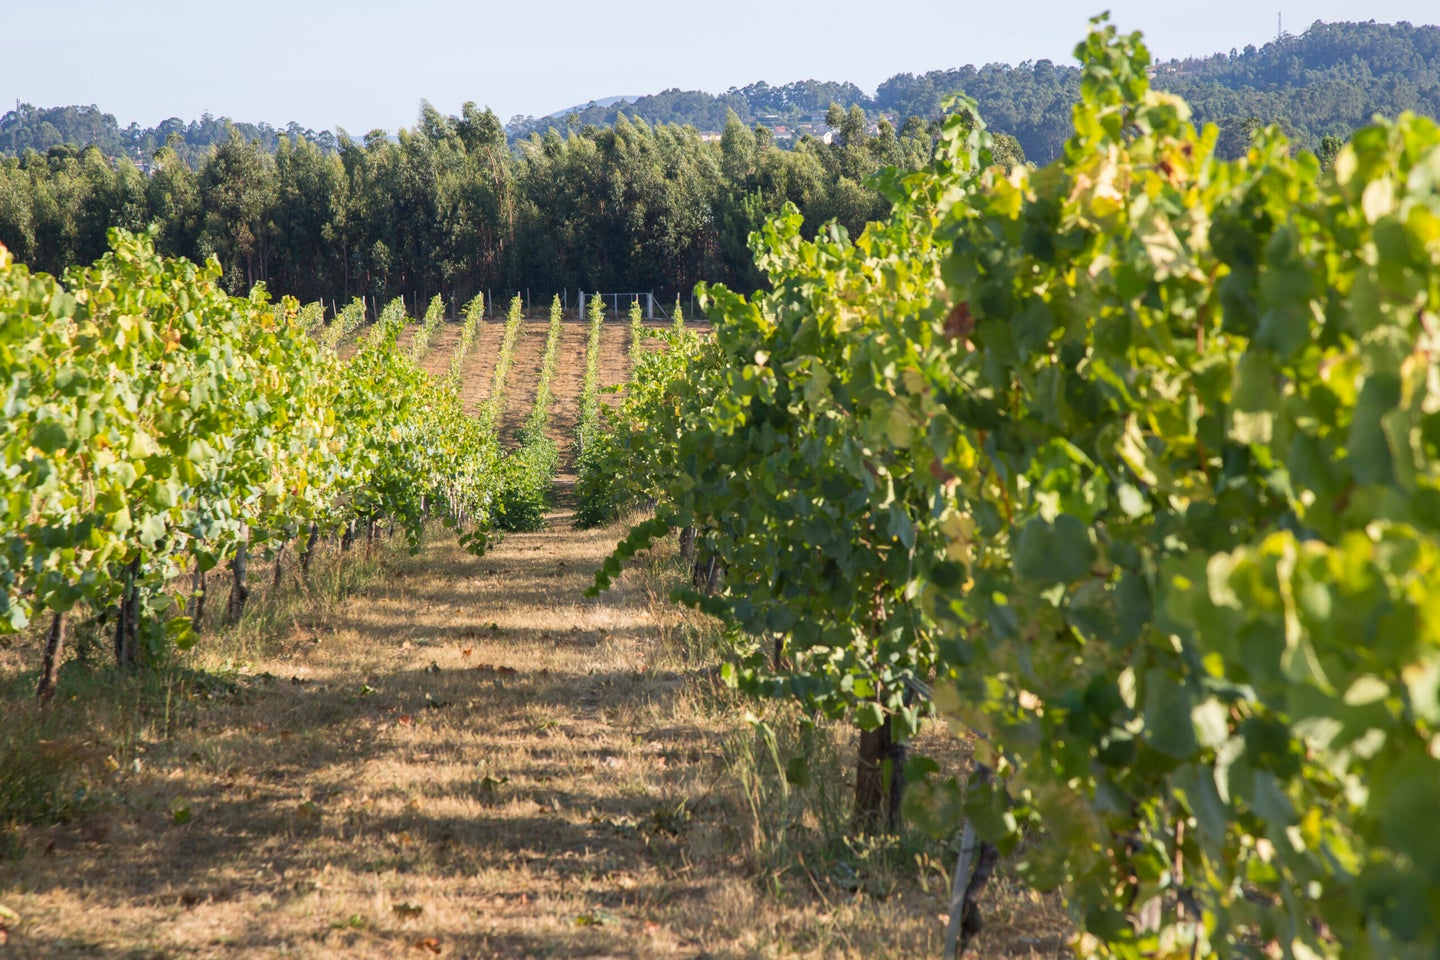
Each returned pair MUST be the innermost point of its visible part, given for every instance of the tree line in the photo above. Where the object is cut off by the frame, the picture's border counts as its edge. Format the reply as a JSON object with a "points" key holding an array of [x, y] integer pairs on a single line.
{"points": [[452, 206], [628, 196]]}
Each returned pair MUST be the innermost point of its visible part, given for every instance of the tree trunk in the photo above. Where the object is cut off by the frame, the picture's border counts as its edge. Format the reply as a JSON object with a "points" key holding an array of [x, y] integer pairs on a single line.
{"points": [[969, 885], [127, 626], [706, 574], [279, 567], [970, 920], [239, 592], [879, 781], [50, 667], [870, 778], [899, 754], [197, 597], [119, 632], [309, 551], [348, 537], [687, 543]]}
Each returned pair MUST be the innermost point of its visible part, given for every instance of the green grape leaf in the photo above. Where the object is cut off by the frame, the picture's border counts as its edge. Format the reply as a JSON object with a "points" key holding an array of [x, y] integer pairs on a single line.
{"points": [[1169, 726], [869, 716], [1061, 552], [49, 436]]}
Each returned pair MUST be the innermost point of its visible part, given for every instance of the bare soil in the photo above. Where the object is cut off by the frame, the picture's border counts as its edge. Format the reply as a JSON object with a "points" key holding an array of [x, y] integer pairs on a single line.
{"points": [[443, 342], [614, 358], [478, 367], [523, 378]]}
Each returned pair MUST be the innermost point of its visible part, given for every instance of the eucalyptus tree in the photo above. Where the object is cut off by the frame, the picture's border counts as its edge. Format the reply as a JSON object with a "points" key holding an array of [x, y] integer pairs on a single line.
{"points": [[173, 193], [476, 203], [310, 194], [238, 196]]}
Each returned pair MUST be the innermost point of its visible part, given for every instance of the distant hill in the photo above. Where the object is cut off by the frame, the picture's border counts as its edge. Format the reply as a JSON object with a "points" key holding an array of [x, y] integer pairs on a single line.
{"points": [[1327, 81], [1324, 82], [45, 128], [561, 114], [704, 111]]}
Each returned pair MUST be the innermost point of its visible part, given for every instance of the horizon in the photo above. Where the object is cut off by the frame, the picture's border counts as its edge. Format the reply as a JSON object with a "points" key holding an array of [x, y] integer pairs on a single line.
{"points": [[284, 90]]}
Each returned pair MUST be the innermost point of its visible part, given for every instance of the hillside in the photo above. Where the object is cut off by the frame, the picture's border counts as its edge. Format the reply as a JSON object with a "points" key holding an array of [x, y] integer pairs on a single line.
{"points": [[28, 127], [1325, 81]]}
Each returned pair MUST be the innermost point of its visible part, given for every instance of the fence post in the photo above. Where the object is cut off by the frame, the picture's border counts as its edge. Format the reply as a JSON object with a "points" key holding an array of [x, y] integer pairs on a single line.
{"points": [[650, 306]]}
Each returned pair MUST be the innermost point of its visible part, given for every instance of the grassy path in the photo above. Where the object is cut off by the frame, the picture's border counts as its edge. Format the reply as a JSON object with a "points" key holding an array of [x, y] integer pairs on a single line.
{"points": [[478, 368], [442, 344], [467, 757], [470, 752]]}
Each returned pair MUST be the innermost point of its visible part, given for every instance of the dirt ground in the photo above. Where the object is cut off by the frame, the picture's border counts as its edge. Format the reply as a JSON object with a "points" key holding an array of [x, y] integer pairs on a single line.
{"points": [[469, 759]]}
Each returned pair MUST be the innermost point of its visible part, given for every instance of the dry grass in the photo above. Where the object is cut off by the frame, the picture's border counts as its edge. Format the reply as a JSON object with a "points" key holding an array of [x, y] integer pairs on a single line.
{"points": [[470, 756]]}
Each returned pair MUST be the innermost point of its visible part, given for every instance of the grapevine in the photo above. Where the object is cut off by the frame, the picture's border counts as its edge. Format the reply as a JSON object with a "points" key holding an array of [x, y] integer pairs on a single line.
{"points": [[434, 316], [1126, 464], [159, 426]]}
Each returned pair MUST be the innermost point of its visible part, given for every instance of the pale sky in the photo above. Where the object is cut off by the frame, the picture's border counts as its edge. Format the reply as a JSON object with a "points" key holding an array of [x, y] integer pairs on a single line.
{"points": [[362, 64]]}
